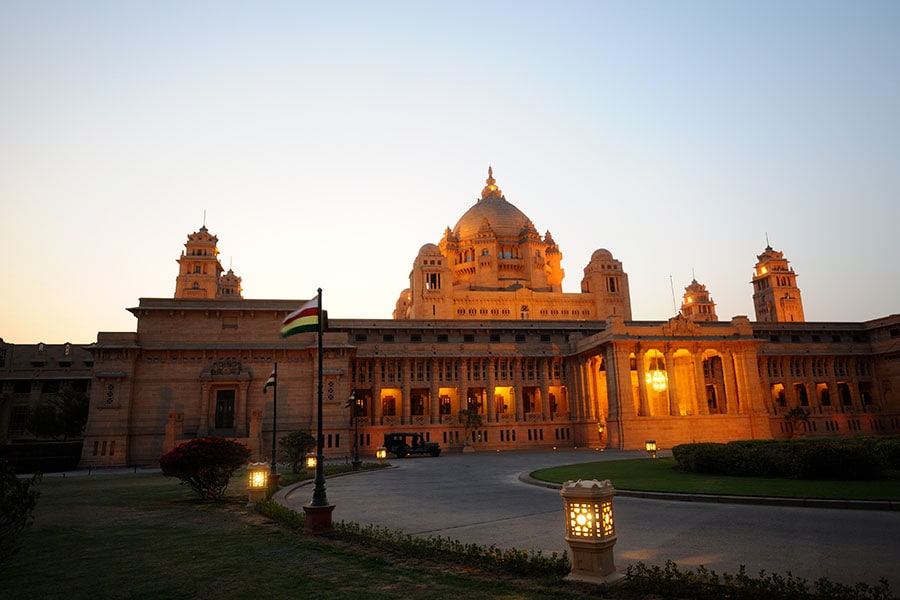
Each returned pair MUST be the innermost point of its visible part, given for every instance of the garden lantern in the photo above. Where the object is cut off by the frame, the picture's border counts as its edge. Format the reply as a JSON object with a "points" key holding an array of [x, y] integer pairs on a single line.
{"points": [[381, 453], [312, 461], [257, 482], [590, 530], [650, 447]]}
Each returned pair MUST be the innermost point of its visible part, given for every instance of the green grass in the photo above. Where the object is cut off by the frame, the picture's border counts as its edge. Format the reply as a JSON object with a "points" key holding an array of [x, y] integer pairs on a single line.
{"points": [[145, 536], [660, 475]]}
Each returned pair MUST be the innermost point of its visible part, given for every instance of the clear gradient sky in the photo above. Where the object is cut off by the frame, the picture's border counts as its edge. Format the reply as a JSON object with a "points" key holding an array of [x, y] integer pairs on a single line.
{"points": [[328, 141]]}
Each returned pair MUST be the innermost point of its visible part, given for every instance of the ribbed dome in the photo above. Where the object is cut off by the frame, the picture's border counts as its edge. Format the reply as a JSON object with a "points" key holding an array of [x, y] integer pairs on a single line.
{"points": [[504, 219]]}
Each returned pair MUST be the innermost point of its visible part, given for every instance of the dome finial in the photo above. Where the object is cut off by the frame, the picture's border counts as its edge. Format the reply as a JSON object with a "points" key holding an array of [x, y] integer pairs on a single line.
{"points": [[491, 189]]}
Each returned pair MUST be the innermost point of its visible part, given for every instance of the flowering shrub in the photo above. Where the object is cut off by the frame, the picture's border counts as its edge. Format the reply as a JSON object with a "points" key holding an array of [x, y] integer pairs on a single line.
{"points": [[205, 464]]}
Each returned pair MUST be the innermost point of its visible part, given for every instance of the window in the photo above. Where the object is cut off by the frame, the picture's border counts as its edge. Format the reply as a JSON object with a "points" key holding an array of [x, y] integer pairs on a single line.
{"points": [[432, 281], [520, 337], [443, 337], [224, 409], [416, 337], [18, 419], [469, 338], [495, 337], [387, 337]]}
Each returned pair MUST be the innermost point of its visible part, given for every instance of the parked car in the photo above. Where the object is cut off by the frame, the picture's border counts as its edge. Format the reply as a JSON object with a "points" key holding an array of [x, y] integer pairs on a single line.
{"points": [[404, 444]]}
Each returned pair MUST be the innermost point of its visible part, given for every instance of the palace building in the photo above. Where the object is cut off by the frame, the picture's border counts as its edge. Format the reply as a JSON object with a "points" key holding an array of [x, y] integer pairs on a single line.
{"points": [[484, 327]]}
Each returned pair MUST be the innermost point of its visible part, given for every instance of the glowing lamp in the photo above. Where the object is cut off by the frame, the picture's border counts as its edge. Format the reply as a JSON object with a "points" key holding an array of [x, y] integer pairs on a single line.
{"points": [[381, 453], [656, 378], [650, 447], [257, 482], [591, 530], [312, 461]]}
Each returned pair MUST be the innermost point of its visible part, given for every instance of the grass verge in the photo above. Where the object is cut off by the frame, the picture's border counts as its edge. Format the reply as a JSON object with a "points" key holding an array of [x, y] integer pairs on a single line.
{"points": [[661, 475], [145, 536]]}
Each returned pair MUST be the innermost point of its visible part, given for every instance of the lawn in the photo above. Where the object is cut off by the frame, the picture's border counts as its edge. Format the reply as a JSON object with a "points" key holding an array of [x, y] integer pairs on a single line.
{"points": [[145, 536], [648, 474]]}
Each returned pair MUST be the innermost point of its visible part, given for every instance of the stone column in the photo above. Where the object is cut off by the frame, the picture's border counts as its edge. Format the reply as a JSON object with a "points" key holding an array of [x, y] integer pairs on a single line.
{"points": [[700, 405], [732, 401], [435, 392], [203, 429], [376, 393], [405, 386], [673, 386], [491, 383], [519, 398], [644, 410], [241, 412], [544, 383]]}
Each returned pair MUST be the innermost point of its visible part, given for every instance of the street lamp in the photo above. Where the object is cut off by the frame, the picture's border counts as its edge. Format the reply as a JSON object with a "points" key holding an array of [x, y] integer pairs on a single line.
{"points": [[650, 447]]}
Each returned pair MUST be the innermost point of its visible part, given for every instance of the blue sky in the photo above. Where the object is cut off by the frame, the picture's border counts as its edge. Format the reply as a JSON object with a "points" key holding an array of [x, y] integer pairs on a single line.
{"points": [[327, 142]]}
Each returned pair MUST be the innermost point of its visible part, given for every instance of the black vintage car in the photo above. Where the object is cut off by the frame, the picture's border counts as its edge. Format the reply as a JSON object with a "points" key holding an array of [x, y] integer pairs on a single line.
{"points": [[404, 444]]}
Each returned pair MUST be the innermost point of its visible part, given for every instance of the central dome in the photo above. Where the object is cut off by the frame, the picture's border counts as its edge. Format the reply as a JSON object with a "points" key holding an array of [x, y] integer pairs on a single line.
{"points": [[504, 219]]}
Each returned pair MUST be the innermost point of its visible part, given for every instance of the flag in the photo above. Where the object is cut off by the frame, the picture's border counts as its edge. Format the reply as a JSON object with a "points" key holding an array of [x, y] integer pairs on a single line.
{"points": [[305, 318], [270, 382]]}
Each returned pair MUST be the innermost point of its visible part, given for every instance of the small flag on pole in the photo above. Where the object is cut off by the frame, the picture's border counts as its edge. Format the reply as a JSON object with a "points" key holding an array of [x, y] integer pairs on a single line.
{"points": [[305, 318], [270, 382]]}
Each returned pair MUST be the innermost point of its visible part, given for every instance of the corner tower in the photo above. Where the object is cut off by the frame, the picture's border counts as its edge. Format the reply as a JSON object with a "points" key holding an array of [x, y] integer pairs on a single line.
{"points": [[697, 304], [200, 273], [606, 280], [776, 297]]}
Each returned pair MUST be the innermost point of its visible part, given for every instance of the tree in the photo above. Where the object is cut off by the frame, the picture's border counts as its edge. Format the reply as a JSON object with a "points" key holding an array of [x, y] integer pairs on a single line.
{"points": [[471, 419], [18, 498], [295, 446], [63, 416], [205, 464]]}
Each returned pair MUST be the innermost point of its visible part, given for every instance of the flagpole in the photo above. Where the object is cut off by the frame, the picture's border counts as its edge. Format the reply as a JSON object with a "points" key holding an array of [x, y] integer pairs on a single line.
{"points": [[274, 469], [319, 496]]}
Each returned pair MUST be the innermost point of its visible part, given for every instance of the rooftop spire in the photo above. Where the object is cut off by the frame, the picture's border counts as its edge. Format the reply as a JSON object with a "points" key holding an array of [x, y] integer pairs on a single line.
{"points": [[491, 190]]}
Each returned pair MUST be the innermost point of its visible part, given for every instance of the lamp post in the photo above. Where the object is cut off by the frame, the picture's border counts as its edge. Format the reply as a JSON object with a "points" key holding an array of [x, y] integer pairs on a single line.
{"points": [[354, 401], [650, 447], [591, 530]]}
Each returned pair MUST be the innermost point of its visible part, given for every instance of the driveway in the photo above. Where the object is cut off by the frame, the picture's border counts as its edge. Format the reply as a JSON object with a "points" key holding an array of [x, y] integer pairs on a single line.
{"points": [[478, 498]]}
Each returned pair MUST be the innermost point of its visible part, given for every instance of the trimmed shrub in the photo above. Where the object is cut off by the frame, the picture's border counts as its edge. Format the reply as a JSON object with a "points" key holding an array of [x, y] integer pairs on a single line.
{"points": [[835, 459], [18, 498], [294, 446], [205, 464], [846, 458]]}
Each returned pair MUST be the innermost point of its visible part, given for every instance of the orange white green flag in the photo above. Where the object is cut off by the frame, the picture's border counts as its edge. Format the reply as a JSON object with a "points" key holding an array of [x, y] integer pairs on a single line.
{"points": [[270, 382], [305, 318]]}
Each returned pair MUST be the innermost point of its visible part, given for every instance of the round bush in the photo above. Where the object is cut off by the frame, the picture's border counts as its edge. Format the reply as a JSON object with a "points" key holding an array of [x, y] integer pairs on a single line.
{"points": [[205, 464]]}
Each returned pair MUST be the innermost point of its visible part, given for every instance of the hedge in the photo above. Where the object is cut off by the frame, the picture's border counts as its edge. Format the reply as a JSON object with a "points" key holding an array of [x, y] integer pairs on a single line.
{"points": [[856, 457]]}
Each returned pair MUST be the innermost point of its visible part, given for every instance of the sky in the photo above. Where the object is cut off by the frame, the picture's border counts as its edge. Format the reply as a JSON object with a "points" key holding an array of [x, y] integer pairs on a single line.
{"points": [[325, 142]]}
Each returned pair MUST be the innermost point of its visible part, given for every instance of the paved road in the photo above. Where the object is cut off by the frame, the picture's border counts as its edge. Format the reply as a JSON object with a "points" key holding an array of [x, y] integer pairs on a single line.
{"points": [[478, 498]]}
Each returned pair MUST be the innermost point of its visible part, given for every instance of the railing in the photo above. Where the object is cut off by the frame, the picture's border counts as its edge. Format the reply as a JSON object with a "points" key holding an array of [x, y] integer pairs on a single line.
{"points": [[420, 420], [534, 417], [390, 420]]}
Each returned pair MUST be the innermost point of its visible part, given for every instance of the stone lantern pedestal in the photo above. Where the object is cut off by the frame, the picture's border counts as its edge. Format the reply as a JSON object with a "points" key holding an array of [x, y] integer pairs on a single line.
{"points": [[590, 530]]}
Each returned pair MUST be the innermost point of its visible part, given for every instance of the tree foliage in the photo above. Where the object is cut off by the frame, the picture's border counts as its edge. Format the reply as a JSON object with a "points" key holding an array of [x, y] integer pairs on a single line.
{"points": [[18, 498], [205, 464], [295, 446], [61, 417]]}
